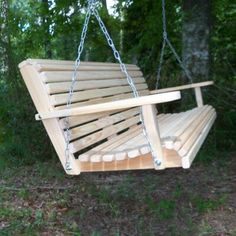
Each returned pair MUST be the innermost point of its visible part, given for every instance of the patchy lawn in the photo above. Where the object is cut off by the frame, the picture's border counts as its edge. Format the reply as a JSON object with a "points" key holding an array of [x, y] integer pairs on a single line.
{"points": [[42, 200]]}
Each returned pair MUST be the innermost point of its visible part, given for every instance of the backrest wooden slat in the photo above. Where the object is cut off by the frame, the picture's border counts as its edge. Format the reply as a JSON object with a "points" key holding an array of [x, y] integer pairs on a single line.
{"points": [[104, 99], [82, 130], [64, 76], [97, 83], [94, 138], [63, 87], [85, 66], [60, 99]]}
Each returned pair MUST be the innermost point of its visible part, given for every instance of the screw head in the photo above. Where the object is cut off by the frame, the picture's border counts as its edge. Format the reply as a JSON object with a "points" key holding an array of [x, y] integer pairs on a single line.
{"points": [[157, 162]]}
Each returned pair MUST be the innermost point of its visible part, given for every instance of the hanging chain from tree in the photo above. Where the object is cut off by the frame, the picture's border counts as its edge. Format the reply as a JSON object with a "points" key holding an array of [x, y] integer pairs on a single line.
{"points": [[165, 42], [91, 10]]}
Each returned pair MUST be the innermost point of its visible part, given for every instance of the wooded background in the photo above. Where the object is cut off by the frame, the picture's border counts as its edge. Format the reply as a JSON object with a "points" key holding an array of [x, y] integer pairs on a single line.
{"points": [[202, 31]]}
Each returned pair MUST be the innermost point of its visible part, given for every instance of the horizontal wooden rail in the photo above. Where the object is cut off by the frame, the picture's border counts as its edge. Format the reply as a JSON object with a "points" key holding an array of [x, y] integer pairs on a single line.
{"points": [[109, 106], [183, 87]]}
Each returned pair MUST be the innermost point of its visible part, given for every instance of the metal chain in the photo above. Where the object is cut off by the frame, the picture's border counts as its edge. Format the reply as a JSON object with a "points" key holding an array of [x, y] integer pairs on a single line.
{"points": [[160, 63], [73, 81], [91, 10], [129, 80], [165, 42]]}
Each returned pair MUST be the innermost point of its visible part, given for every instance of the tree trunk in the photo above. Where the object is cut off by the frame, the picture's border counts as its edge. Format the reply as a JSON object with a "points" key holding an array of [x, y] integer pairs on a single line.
{"points": [[196, 34], [4, 39], [46, 29], [7, 60]]}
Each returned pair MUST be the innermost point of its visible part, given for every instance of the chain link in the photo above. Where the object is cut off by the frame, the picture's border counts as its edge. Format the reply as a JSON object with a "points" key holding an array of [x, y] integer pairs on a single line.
{"points": [[91, 10], [129, 80], [73, 81], [165, 42]]}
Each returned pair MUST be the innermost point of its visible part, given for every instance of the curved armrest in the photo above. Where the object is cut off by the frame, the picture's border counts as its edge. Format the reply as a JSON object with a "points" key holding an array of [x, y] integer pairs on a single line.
{"points": [[109, 106]]}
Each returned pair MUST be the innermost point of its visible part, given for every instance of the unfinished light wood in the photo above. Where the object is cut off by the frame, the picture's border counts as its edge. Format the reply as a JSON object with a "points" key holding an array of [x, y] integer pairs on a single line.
{"points": [[198, 95], [63, 87], [109, 106], [120, 147], [197, 132], [190, 126], [188, 159], [140, 162], [59, 99], [196, 87], [106, 133], [42, 103], [153, 134], [65, 76], [182, 87], [102, 123], [55, 65]]}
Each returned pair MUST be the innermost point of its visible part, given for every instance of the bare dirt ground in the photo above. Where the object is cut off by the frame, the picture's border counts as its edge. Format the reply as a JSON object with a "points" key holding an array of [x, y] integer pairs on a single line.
{"points": [[42, 200]]}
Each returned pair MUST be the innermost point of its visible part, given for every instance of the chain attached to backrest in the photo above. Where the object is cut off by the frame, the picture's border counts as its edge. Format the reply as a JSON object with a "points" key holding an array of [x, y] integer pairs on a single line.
{"points": [[91, 10], [73, 81]]}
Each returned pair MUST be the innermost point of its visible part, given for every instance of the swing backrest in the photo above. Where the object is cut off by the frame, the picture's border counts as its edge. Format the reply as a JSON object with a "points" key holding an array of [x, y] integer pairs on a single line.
{"points": [[49, 81]]}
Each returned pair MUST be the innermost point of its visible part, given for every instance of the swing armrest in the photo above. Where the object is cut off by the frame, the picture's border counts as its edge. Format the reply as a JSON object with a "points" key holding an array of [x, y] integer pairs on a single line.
{"points": [[196, 87], [109, 106], [183, 87]]}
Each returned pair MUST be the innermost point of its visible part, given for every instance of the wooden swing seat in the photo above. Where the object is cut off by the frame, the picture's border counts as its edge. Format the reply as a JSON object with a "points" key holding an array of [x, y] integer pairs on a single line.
{"points": [[105, 129]]}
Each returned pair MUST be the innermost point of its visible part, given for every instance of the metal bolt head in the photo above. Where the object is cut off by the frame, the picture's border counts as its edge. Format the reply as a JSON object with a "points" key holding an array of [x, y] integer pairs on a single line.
{"points": [[157, 162]]}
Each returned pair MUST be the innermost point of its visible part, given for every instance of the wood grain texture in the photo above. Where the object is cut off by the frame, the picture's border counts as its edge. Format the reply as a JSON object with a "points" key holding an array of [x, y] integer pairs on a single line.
{"points": [[104, 117], [109, 106], [182, 87]]}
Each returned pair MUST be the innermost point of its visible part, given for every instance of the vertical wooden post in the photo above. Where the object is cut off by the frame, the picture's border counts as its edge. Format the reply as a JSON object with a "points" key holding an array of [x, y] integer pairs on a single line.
{"points": [[151, 125], [198, 95]]}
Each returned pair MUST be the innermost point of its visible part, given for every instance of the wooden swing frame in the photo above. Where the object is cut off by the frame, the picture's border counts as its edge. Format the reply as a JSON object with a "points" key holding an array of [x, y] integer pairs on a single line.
{"points": [[33, 72]]}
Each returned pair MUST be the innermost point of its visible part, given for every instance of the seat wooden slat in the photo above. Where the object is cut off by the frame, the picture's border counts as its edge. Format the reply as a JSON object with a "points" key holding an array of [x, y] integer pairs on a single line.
{"points": [[166, 121], [110, 147], [180, 124], [140, 162], [188, 159], [116, 149], [139, 143], [201, 123], [136, 145], [190, 126], [99, 151], [60, 99], [63, 87], [65, 76], [132, 148]]}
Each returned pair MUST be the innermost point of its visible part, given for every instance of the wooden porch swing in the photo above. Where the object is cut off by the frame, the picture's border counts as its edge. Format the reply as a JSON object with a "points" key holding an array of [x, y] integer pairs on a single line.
{"points": [[99, 125]]}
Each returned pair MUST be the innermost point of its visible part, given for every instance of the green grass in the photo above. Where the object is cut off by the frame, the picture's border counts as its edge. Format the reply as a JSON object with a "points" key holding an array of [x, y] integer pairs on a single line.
{"points": [[203, 204], [163, 209], [233, 232], [152, 201], [205, 229], [20, 221]]}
